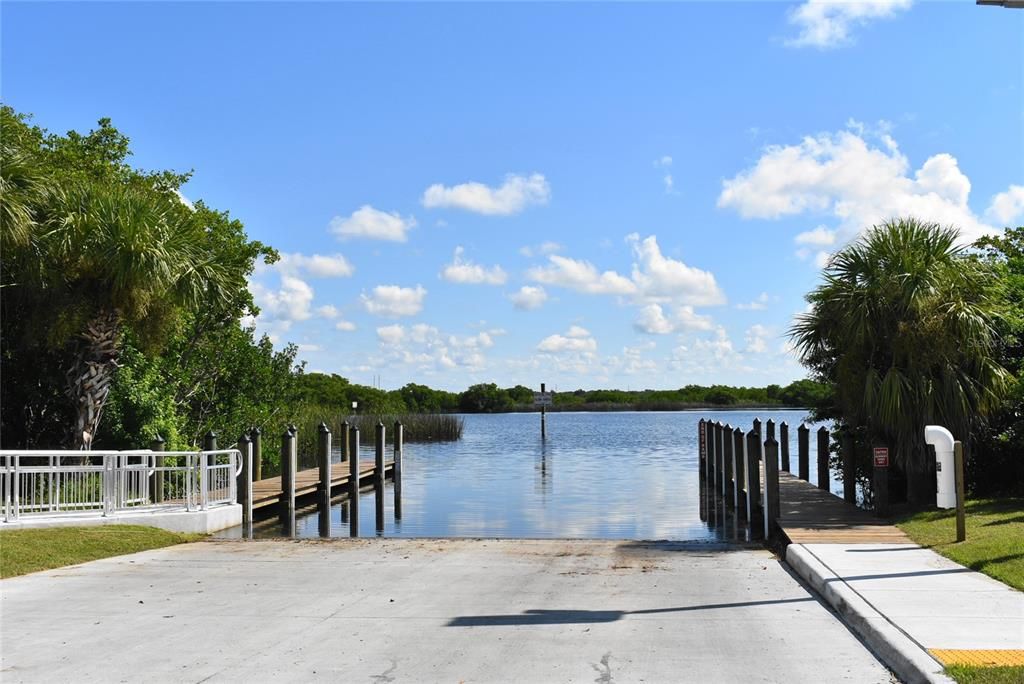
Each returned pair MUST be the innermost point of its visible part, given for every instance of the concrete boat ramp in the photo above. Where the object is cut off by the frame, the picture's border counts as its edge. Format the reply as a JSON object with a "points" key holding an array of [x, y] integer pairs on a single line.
{"points": [[392, 610]]}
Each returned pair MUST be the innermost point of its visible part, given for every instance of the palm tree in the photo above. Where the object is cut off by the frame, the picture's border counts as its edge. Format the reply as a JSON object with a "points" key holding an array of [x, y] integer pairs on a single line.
{"points": [[20, 189], [902, 326], [118, 255]]}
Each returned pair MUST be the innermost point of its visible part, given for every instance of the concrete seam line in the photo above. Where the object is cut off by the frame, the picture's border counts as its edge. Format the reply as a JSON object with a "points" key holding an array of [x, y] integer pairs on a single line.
{"points": [[904, 655]]}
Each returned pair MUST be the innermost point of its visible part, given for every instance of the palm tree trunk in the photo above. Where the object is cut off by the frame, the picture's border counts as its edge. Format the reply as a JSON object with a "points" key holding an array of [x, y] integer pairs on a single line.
{"points": [[90, 377]]}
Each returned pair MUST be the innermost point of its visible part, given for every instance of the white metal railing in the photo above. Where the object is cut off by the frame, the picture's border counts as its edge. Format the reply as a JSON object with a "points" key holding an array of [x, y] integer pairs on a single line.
{"points": [[36, 483]]}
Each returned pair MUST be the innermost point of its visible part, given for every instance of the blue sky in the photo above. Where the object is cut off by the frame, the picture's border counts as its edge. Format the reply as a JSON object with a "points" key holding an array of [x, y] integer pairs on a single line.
{"points": [[627, 195]]}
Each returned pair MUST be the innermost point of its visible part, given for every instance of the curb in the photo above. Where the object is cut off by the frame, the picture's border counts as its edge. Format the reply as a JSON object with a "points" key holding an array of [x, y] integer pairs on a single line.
{"points": [[903, 655]]}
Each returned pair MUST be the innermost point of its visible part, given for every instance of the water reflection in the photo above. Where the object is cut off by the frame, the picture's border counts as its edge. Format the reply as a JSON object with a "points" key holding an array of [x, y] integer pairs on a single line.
{"points": [[620, 476]]}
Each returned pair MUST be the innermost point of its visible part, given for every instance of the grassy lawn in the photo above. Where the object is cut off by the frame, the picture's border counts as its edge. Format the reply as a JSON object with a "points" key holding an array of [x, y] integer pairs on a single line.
{"points": [[995, 539], [965, 674], [24, 551]]}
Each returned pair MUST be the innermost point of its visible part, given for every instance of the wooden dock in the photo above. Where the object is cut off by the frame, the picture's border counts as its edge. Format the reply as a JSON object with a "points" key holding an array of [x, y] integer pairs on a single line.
{"points": [[809, 515], [267, 492]]}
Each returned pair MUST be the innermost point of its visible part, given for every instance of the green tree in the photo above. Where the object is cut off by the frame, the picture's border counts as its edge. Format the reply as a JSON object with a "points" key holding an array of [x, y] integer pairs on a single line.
{"points": [[902, 327]]}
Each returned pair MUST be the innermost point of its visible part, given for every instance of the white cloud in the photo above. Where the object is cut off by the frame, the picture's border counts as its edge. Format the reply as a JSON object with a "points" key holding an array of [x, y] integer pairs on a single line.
{"points": [[317, 265], [327, 311], [290, 303], [577, 340], [664, 161], [391, 334], [829, 23], [373, 224], [542, 249], [653, 320], [309, 347], [427, 349], [859, 184], [529, 297], [511, 197], [757, 305], [1007, 207], [819, 237], [581, 276], [756, 339], [392, 301], [345, 326], [464, 271], [659, 277], [669, 183]]}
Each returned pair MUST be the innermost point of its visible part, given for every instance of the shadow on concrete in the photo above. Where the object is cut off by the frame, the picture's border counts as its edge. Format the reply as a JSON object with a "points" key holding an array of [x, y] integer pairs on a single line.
{"points": [[888, 575], [902, 548], [539, 616]]}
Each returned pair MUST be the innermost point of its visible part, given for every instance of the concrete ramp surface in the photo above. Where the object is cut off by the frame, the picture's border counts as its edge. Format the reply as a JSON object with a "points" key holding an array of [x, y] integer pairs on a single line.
{"points": [[393, 610]]}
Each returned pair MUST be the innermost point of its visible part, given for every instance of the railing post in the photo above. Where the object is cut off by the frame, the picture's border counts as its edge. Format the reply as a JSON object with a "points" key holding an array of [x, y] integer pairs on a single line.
{"points": [[396, 473], [156, 482], [256, 435], [108, 484], [823, 478], [961, 503], [727, 458], [771, 486], [243, 487], [288, 471], [209, 444], [739, 464], [353, 481], [803, 450], [752, 449], [849, 473], [7, 487], [784, 446], [378, 475]]}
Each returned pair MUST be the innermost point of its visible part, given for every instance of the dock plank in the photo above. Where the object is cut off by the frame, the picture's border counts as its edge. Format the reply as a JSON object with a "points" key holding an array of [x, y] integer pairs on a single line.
{"points": [[267, 492], [809, 515]]}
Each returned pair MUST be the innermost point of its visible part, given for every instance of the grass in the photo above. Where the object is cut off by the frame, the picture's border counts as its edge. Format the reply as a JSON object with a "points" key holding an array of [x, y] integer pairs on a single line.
{"points": [[968, 674], [995, 538], [25, 551]]}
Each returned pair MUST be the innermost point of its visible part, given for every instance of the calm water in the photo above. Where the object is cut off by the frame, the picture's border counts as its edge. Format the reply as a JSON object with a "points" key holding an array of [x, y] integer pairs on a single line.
{"points": [[598, 475]]}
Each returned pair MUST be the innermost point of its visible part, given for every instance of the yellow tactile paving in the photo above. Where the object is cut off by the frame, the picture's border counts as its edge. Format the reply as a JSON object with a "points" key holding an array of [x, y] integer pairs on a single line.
{"points": [[978, 657]]}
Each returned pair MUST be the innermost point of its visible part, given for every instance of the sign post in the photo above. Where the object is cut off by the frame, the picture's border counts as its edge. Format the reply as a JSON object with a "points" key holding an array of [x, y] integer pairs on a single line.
{"points": [[880, 480], [543, 399]]}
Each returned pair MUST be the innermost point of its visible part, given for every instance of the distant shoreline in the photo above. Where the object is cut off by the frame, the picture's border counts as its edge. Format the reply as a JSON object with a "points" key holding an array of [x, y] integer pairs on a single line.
{"points": [[640, 408]]}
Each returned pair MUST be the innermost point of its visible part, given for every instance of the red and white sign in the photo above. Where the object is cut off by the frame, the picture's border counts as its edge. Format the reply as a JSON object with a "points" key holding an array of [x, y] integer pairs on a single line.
{"points": [[881, 457]]}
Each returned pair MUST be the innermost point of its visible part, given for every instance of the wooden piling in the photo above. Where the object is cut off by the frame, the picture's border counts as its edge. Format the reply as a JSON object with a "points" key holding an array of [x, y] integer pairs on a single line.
{"points": [[289, 467], [958, 477], [771, 487], [323, 457], [243, 485], [701, 447], [256, 435], [156, 481], [396, 474], [710, 459], [727, 460], [757, 427], [353, 481], [720, 457], [739, 468], [770, 429], [823, 479], [803, 452], [849, 473], [344, 439], [784, 446], [378, 476], [753, 454]]}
